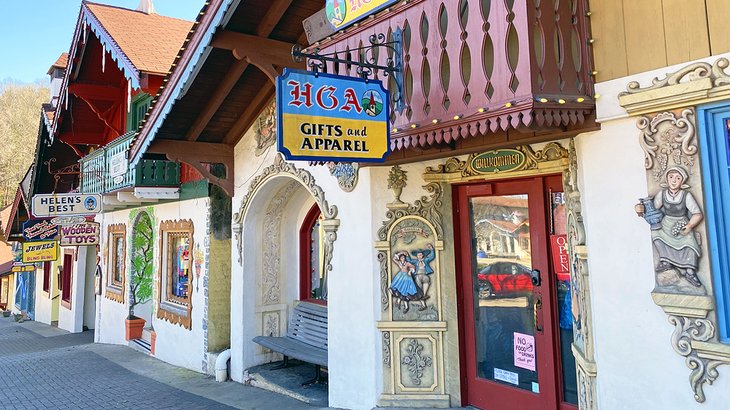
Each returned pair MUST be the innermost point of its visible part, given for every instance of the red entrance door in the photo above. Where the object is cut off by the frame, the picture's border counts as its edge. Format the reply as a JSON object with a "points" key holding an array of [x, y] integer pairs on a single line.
{"points": [[513, 295]]}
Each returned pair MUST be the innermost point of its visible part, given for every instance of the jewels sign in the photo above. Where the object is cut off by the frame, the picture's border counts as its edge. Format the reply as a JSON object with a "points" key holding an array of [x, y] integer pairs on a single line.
{"points": [[332, 118], [342, 13], [82, 234], [66, 204], [40, 251]]}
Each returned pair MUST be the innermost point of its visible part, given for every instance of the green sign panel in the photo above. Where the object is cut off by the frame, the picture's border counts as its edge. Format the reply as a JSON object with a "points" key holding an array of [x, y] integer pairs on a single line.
{"points": [[501, 160]]}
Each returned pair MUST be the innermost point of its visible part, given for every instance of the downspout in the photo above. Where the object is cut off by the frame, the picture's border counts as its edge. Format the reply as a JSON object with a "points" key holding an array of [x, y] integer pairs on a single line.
{"points": [[221, 365]]}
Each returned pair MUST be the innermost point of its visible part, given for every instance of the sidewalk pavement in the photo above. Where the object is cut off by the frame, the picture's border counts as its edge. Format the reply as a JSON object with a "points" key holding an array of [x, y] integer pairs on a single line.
{"points": [[43, 367]]}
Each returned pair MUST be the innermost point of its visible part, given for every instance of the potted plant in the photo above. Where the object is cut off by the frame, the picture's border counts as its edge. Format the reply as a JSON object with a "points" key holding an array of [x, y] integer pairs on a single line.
{"points": [[140, 286]]}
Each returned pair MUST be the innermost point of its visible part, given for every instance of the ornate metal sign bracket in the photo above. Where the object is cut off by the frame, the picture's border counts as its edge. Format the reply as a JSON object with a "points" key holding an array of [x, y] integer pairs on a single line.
{"points": [[73, 169], [367, 64]]}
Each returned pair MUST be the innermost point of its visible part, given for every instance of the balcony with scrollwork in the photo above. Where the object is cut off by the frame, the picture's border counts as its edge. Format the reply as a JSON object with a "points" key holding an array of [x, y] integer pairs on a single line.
{"points": [[477, 73], [106, 171]]}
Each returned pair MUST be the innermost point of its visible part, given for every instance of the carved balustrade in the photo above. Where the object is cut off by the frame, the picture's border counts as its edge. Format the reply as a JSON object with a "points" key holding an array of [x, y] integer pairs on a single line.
{"points": [[478, 66]]}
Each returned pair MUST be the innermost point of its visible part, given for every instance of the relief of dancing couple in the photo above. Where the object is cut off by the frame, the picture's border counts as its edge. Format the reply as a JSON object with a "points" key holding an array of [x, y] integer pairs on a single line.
{"points": [[413, 279]]}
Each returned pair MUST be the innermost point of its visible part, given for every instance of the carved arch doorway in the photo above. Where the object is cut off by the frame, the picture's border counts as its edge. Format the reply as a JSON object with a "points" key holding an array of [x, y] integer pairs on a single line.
{"points": [[267, 228]]}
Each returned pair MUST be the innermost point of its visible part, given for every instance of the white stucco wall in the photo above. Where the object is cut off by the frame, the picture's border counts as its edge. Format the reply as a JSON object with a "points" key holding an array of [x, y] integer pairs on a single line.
{"points": [[72, 319], [637, 366], [174, 344], [43, 300], [355, 375]]}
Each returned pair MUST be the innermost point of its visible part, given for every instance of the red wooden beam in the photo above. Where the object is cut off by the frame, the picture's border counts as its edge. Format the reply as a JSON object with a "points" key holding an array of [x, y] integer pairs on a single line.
{"points": [[196, 154]]}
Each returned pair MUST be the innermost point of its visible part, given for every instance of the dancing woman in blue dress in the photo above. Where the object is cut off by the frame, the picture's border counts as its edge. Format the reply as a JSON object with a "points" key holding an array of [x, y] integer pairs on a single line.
{"points": [[403, 286]]}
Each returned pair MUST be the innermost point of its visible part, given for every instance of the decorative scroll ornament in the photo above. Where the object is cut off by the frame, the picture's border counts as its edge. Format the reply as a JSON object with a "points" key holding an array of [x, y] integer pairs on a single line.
{"points": [[265, 129], [386, 348], [668, 140], [551, 152], [283, 168], [715, 72], [272, 244], [416, 361], [346, 174], [704, 371]]}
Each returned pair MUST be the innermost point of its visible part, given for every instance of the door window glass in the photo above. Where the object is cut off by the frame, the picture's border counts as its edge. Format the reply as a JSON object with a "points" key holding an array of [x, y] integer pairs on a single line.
{"points": [[504, 315], [561, 269]]}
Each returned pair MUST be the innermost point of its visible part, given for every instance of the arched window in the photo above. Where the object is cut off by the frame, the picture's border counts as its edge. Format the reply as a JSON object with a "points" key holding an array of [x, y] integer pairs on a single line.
{"points": [[313, 277]]}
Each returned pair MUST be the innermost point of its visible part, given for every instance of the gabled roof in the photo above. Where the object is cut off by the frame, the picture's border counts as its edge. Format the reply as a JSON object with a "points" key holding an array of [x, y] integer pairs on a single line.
{"points": [[61, 63], [150, 41]]}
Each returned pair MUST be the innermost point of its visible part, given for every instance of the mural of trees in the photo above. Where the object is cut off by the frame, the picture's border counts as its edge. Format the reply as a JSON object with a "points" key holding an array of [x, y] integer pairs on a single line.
{"points": [[140, 290]]}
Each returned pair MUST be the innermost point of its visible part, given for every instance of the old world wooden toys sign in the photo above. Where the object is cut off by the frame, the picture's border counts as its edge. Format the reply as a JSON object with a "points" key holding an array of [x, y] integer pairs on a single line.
{"points": [[324, 117]]}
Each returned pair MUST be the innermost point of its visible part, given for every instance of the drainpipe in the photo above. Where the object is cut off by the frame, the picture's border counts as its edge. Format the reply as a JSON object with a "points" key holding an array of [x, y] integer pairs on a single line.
{"points": [[221, 365]]}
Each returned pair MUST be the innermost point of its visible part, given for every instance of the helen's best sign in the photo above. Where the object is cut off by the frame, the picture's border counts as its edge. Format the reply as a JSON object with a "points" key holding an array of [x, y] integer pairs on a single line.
{"points": [[45, 205], [326, 117]]}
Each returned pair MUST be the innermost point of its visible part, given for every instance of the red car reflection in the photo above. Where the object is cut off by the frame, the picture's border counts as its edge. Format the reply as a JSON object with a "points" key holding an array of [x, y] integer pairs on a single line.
{"points": [[504, 279]]}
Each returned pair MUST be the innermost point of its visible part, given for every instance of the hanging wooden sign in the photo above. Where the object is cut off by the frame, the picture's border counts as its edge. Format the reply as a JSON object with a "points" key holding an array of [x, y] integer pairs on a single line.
{"points": [[324, 117], [40, 251], [40, 230]]}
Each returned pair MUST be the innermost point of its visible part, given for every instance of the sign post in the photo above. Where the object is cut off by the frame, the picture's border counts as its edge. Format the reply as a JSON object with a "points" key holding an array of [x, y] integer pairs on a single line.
{"points": [[325, 117]]}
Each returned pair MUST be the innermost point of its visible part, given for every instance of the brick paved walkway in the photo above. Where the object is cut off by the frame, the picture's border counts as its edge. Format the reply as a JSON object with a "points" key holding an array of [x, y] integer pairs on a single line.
{"points": [[68, 371]]}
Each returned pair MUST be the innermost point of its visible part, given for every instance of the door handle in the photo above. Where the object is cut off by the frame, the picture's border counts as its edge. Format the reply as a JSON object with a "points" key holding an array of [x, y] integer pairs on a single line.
{"points": [[537, 309], [535, 276]]}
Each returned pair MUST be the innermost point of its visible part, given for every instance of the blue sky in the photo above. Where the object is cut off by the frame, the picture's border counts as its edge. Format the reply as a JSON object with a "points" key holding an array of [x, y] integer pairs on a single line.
{"points": [[35, 32]]}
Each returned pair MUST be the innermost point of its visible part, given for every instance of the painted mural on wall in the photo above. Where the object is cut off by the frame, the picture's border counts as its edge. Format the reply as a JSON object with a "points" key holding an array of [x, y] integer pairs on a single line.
{"points": [[141, 257], [672, 209], [412, 271]]}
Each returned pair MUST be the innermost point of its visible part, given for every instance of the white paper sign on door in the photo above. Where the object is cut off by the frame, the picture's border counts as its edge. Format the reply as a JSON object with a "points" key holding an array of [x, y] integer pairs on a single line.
{"points": [[524, 346]]}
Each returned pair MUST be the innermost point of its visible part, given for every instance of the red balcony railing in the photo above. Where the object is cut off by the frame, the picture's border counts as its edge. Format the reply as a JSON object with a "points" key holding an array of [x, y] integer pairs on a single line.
{"points": [[475, 66]]}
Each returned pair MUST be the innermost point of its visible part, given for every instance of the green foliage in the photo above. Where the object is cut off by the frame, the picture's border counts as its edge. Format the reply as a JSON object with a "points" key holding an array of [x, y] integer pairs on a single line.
{"points": [[20, 115], [142, 260]]}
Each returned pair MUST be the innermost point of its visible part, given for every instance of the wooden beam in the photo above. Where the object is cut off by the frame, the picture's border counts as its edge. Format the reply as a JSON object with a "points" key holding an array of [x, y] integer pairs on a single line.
{"points": [[95, 92], [215, 100], [264, 53], [273, 15], [253, 109], [196, 154], [266, 26]]}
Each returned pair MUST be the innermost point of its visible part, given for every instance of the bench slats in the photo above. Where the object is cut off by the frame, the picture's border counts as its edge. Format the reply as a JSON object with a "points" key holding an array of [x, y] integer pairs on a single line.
{"points": [[306, 337]]}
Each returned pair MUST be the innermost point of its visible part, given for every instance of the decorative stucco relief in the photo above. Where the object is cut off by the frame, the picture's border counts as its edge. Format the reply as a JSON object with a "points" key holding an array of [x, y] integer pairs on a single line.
{"points": [[714, 72], [410, 245], [271, 289], [264, 128], [579, 286], [346, 174], [674, 213], [280, 167]]}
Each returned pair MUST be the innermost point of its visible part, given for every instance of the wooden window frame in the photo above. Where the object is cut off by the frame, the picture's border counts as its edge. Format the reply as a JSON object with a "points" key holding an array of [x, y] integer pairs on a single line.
{"points": [[66, 282], [305, 255], [47, 268], [714, 150], [174, 309], [114, 290]]}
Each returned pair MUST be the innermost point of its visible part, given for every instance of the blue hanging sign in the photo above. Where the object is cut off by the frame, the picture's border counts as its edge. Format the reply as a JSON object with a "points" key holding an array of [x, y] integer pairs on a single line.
{"points": [[325, 117], [40, 230]]}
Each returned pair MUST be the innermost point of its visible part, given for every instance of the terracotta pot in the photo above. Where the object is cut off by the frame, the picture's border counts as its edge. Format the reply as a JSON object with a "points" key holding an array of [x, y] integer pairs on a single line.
{"points": [[133, 328], [153, 338]]}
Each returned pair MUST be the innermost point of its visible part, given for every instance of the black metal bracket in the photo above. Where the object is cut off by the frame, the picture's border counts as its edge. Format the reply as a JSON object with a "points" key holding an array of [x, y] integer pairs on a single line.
{"points": [[366, 65], [73, 169]]}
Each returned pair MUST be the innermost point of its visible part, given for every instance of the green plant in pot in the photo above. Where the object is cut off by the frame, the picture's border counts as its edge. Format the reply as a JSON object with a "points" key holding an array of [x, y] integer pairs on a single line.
{"points": [[140, 284]]}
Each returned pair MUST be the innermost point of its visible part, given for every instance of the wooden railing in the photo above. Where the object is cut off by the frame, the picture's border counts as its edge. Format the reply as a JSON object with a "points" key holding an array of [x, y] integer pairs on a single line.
{"points": [[480, 64], [107, 170]]}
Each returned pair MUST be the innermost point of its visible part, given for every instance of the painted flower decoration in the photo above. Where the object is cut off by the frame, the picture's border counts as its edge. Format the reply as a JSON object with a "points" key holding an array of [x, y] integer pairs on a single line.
{"points": [[397, 178]]}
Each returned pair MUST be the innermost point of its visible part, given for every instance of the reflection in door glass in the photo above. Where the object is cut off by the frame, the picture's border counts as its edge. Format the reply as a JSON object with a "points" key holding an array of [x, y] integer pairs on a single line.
{"points": [[503, 302], [561, 268]]}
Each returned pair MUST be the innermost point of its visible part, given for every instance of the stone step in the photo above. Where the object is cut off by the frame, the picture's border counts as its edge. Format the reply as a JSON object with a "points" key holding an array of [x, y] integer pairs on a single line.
{"points": [[147, 335], [288, 381], [140, 345]]}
